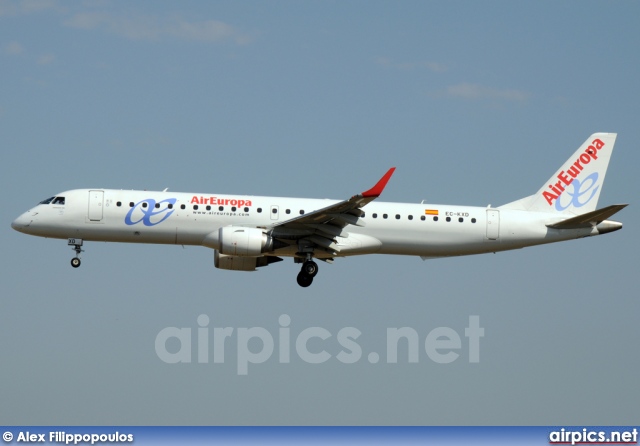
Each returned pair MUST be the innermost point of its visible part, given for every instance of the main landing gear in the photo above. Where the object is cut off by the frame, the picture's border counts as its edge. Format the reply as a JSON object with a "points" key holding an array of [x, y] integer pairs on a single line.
{"points": [[307, 273], [77, 247]]}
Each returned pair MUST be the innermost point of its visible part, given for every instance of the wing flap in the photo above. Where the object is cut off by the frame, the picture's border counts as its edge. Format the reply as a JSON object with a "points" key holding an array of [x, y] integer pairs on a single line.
{"points": [[329, 230], [324, 242], [347, 219]]}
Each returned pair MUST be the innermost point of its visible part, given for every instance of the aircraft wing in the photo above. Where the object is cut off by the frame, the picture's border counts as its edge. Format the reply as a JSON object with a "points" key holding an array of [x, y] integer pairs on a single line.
{"points": [[320, 228], [592, 218]]}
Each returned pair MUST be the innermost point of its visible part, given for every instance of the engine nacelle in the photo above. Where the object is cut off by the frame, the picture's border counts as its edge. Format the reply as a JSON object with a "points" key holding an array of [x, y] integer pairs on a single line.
{"points": [[241, 241], [241, 263]]}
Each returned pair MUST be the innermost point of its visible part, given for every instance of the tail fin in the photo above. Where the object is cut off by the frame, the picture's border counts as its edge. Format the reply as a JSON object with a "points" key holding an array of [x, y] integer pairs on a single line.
{"points": [[576, 186]]}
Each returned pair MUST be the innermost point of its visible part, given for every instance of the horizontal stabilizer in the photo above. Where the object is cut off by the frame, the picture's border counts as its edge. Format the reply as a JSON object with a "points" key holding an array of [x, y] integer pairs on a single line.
{"points": [[589, 219]]}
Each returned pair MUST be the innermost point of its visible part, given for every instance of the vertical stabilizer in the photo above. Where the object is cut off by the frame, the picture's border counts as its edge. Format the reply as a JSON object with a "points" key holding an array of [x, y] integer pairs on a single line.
{"points": [[576, 186]]}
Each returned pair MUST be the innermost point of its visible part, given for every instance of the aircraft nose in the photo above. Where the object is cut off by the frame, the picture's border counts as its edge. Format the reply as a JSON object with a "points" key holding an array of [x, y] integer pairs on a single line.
{"points": [[21, 222]]}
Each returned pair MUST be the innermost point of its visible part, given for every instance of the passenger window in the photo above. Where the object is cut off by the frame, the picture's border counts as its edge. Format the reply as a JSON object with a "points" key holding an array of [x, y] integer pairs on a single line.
{"points": [[221, 208], [58, 200], [473, 220], [288, 211], [461, 219], [246, 209], [435, 218], [448, 218], [410, 217], [131, 204], [119, 203], [374, 215], [384, 215], [157, 205], [259, 210], [182, 206], [144, 205], [423, 218], [195, 207], [170, 206], [233, 209], [301, 212], [208, 208]]}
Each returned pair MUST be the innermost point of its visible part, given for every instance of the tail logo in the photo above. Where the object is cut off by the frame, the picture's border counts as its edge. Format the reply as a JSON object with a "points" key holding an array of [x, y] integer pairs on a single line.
{"points": [[571, 177], [579, 189]]}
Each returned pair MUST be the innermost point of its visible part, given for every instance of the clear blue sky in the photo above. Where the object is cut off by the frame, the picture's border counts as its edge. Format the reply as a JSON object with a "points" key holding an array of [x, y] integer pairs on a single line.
{"points": [[473, 102]]}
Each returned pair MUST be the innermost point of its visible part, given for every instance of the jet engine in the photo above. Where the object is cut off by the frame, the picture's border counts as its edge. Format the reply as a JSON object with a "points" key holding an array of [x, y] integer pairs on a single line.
{"points": [[241, 241], [242, 263]]}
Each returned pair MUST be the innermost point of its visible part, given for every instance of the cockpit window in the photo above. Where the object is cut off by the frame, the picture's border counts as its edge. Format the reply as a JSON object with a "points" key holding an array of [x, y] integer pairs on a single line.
{"points": [[58, 200], [47, 201]]}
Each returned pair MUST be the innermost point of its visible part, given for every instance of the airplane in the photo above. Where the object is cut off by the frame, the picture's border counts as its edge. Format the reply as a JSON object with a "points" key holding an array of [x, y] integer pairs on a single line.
{"points": [[250, 232]]}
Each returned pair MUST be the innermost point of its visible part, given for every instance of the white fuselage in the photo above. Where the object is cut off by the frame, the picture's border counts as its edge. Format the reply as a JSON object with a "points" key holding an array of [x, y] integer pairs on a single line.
{"points": [[426, 230]]}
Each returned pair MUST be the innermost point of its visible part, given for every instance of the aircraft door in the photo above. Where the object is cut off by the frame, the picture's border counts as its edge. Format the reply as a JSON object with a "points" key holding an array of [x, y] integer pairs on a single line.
{"points": [[96, 199], [493, 224]]}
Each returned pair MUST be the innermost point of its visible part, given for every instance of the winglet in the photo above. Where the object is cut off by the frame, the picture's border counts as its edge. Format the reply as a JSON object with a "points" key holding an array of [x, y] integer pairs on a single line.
{"points": [[376, 190]]}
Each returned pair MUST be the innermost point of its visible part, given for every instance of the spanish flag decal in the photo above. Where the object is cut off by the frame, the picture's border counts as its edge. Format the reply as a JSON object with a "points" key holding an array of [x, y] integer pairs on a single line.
{"points": [[431, 212]]}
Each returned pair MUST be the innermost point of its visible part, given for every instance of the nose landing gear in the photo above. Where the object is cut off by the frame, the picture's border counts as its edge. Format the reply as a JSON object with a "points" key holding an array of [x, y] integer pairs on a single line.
{"points": [[77, 247]]}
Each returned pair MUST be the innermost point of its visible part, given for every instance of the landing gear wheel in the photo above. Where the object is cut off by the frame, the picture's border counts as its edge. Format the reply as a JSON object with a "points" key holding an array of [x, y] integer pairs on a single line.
{"points": [[77, 247], [310, 268], [304, 280]]}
